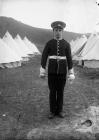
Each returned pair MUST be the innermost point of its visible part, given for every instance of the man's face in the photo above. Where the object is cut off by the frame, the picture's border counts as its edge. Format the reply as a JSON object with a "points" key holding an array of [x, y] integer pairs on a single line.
{"points": [[58, 33]]}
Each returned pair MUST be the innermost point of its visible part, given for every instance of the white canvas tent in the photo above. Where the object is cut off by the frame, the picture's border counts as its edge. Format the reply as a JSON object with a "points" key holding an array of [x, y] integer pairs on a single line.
{"points": [[79, 45], [91, 59], [73, 44], [8, 58], [76, 56], [90, 43], [7, 38], [91, 63], [93, 52], [22, 45], [31, 46], [90, 53]]}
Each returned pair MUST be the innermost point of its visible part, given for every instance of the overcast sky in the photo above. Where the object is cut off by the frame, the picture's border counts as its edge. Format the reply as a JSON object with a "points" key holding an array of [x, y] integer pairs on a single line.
{"points": [[79, 15]]}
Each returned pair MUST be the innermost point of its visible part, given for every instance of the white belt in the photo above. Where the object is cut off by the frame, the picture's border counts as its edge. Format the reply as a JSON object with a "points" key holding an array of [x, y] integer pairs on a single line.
{"points": [[57, 57]]}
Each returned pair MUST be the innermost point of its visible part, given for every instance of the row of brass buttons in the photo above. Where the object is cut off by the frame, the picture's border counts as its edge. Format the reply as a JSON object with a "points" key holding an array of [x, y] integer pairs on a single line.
{"points": [[58, 47]]}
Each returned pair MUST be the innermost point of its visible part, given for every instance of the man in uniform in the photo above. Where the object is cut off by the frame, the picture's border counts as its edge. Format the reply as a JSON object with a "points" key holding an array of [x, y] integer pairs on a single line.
{"points": [[60, 62]]}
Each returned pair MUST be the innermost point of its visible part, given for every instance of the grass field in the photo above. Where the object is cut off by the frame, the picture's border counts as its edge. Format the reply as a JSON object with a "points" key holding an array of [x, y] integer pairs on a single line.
{"points": [[24, 103]]}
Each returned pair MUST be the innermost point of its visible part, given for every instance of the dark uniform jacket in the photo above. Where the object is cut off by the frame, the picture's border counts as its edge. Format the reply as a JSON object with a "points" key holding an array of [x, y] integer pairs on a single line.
{"points": [[56, 48]]}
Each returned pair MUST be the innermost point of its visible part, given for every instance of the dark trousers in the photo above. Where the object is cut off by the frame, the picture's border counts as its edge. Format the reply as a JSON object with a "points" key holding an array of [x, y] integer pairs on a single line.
{"points": [[56, 83]]}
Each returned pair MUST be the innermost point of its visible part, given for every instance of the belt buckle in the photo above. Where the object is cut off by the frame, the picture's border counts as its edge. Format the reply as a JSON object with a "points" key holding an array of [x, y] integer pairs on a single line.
{"points": [[58, 58]]}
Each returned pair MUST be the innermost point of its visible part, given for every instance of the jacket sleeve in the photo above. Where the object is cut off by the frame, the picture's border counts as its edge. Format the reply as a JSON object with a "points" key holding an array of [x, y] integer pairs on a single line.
{"points": [[69, 57], [45, 56]]}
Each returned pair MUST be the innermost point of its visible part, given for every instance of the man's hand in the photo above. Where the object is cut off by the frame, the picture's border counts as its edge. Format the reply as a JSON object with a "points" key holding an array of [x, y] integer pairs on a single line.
{"points": [[42, 76], [71, 76], [42, 73]]}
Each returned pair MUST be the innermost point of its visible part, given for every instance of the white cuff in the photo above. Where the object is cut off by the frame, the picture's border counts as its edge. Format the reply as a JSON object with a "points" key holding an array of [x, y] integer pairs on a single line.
{"points": [[42, 71], [71, 74], [71, 71]]}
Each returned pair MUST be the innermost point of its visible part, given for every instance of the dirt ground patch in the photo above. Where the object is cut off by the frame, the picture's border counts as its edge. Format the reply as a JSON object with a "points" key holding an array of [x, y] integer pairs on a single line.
{"points": [[24, 103]]}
